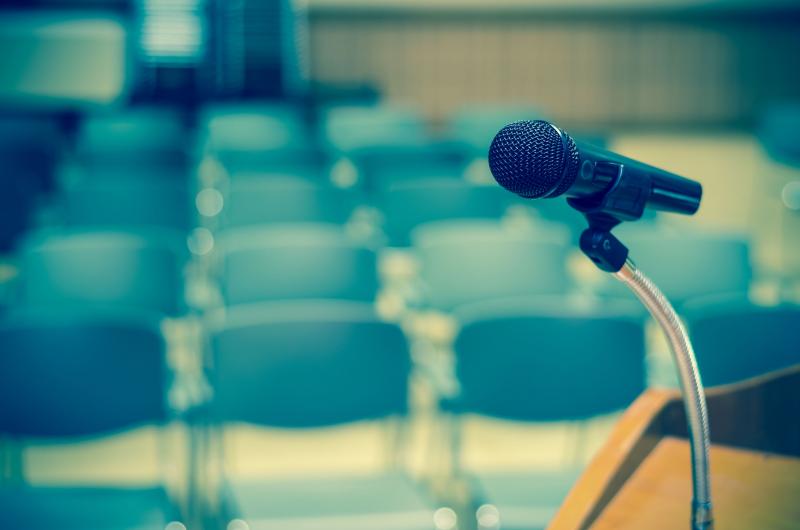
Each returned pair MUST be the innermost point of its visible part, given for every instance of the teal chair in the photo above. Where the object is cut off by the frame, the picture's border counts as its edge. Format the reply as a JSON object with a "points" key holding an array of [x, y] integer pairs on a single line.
{"points": [[83, 270], [132, 136], [476, 126], [687, 264], [778, 129], [382, 167], [73, 378], [408, 205], [128, 202], [470, 261], [295, 262], [311, 365], [279, 199], [736, 340], [537, 361], [258, 136], [346, 129]]}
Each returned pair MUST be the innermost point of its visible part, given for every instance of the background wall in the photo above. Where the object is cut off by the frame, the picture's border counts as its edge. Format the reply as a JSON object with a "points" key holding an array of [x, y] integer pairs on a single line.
{"points": [[586, 67]]}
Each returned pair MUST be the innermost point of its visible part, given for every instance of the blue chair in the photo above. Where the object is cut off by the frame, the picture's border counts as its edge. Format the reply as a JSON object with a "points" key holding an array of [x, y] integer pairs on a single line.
{"points": [[128, 203], [687, 265], [72, 378], [256, 201], [470, 261], [540, 362], [309, 365], [82, 270], [295, 262], [410, 204], [736, 340], [258, 136]]}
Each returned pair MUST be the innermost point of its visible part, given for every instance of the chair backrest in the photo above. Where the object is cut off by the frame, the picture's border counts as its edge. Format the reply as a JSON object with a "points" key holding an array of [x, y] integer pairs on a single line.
{"points": [[79, 375], [349, 128], [132, 134], [736, 340], [543, 362], [410, 204], [476, 127], [309, 364], [295, 262], [127, 202], [253, 201], [101, 270], [687, 265], [253, 127], [381, 167], [470, 261]]}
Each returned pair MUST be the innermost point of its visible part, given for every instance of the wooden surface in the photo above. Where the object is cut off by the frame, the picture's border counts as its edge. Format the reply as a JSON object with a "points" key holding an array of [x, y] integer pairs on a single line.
{"points": [[751, 490], [759, 415]]}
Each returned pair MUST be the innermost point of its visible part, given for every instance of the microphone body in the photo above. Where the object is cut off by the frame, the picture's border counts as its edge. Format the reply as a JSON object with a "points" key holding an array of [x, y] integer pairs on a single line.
{"points": [[536, 159], [600, 169]]}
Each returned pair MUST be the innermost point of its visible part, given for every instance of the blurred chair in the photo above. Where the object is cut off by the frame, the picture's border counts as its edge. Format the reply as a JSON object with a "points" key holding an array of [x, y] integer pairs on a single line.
{"points": [[736, 340], [475, 126], [312, 365], [541, 362], [470, 261], [686, 265], [293, 262], [80, 270], [29, 148], [128, 203], [67, 378], [409, 204], [258, 136], [252, 201], [383, 166], [132, 136], [349, 128], [778, 131]]}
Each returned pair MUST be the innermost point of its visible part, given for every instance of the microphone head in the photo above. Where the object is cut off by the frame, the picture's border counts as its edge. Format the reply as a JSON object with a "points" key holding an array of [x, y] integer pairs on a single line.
{"points": [[534, 159]]}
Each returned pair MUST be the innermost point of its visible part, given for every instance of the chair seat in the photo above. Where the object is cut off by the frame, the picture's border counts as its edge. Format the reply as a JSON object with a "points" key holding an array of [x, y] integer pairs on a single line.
{"points": [[524, 501], [382, 502], [83, 508]]}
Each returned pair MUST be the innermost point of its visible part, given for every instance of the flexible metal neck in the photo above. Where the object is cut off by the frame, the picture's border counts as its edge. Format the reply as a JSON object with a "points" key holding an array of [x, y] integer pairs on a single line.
{"points": [[692, 388]]}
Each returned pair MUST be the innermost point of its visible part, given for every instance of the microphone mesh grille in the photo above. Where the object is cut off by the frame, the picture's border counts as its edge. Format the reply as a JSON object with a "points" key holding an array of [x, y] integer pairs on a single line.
{"points": [[528, 158]]}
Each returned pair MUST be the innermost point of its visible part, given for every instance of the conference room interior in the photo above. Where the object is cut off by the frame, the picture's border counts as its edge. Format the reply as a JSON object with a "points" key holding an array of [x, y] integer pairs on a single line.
{"points": [[255, 271]]}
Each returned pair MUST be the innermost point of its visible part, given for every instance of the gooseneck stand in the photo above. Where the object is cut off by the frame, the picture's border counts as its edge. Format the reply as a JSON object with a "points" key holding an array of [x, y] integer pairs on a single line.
{"points": [[694, 400], [610, 255]]}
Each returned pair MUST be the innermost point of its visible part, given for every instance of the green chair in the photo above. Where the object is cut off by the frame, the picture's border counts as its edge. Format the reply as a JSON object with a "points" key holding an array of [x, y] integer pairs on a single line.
{"points": [[295, 262], [77, 377], [536, 361], [778, 129], [470, 261], [307, 365], [736, 340], [83, 270]]}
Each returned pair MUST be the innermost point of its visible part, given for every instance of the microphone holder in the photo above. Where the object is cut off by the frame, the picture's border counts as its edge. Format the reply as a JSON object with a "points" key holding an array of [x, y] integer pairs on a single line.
{"points": [[611, 255]]}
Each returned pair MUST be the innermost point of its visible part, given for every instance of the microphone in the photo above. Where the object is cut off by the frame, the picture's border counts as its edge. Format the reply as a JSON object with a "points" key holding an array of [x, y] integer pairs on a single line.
{"points": [[536, 159]]}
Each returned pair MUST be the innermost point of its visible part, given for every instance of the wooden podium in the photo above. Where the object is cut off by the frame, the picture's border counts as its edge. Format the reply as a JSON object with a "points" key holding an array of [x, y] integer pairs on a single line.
{"points": [[641, 478]]}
